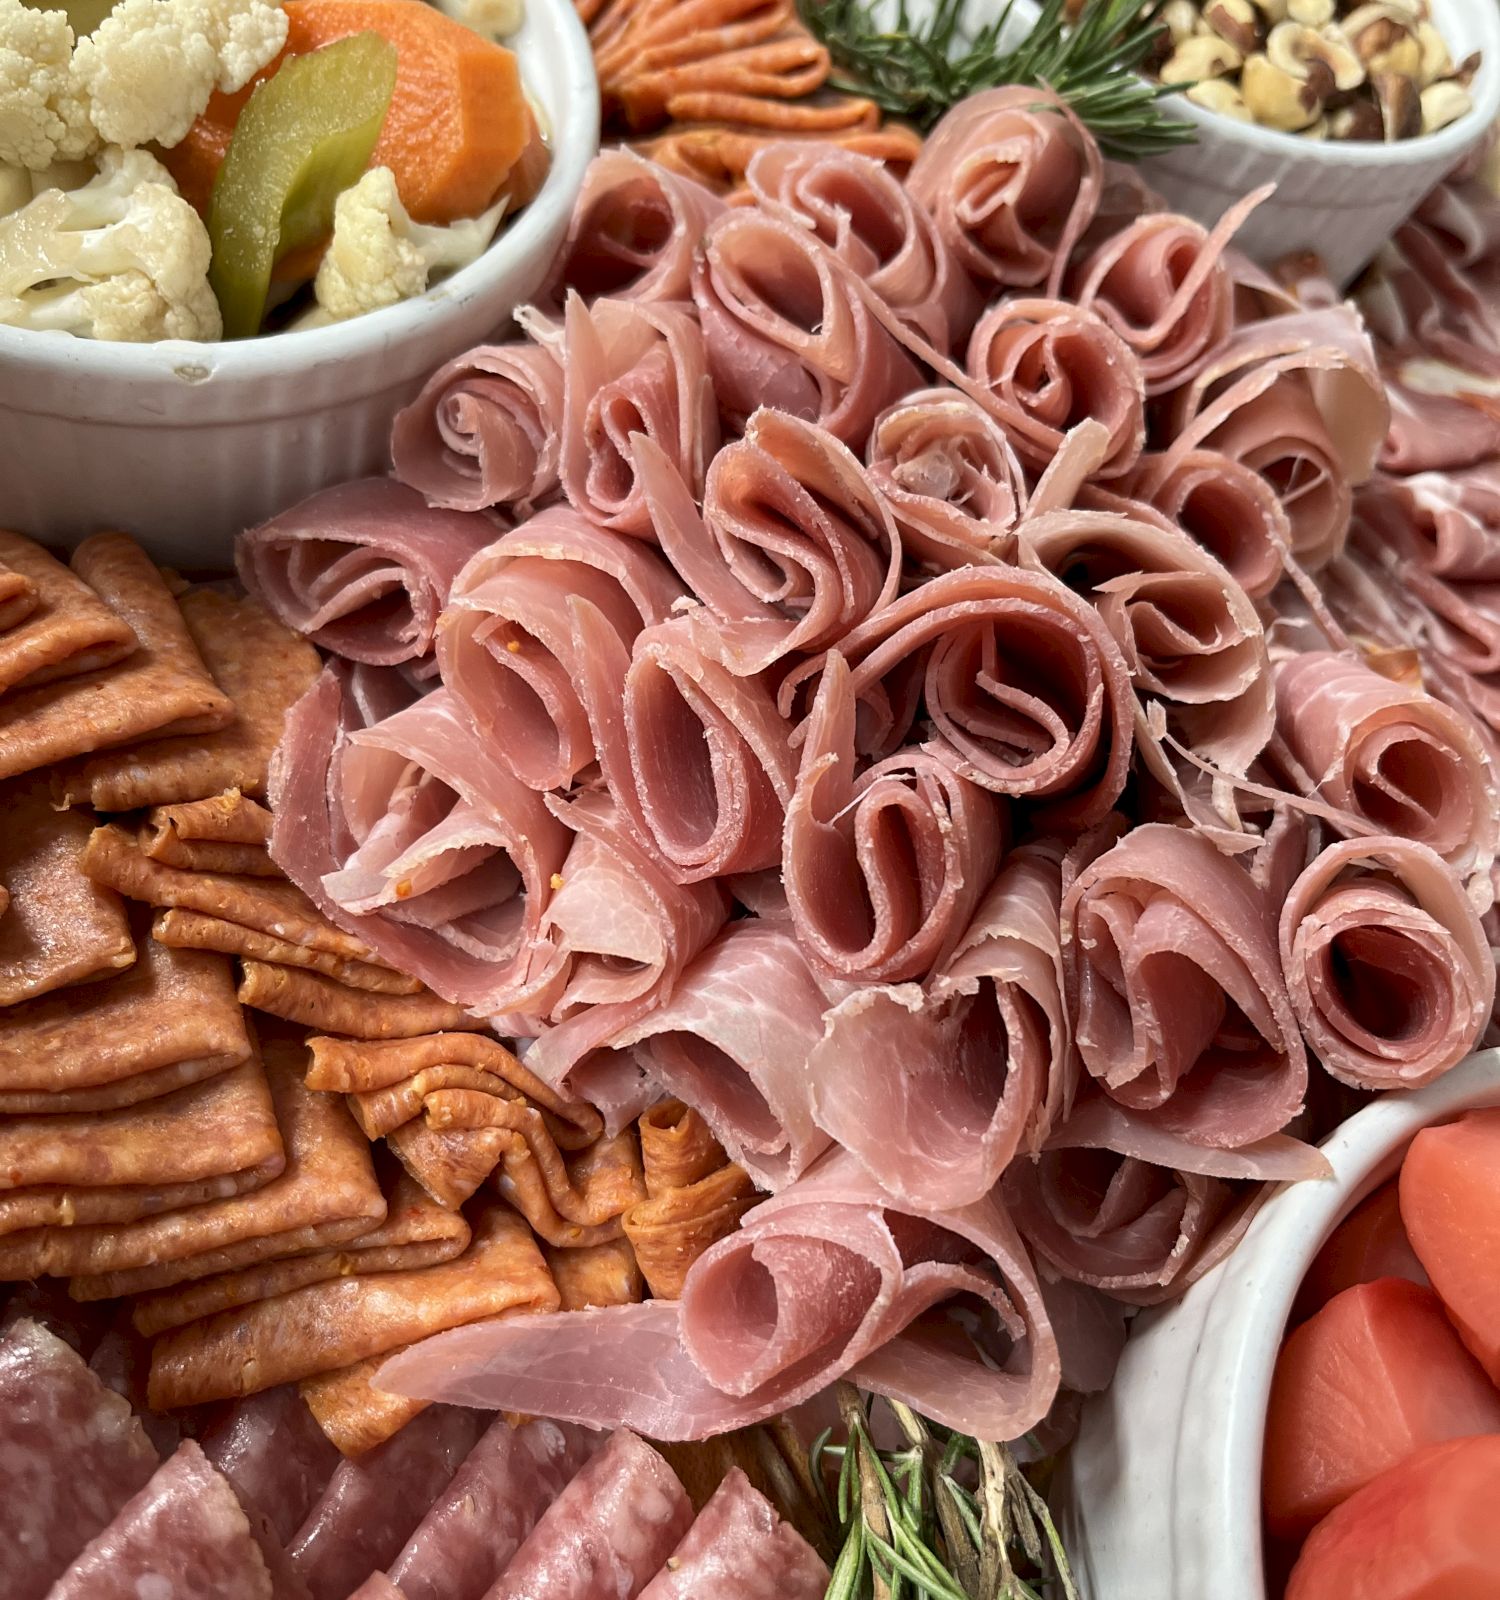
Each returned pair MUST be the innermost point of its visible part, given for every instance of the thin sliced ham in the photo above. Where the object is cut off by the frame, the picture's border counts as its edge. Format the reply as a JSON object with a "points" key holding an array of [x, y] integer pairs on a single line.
{"points": [[485, 430], [1012, 179], [362, 569], [870, 219], [1448, 523], [785, 328], [1441, 418], [1388, 967], [506, 644]]}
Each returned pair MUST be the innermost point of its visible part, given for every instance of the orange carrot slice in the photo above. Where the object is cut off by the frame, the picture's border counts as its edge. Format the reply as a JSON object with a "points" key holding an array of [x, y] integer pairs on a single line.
{"points": [[1369, 1243]]}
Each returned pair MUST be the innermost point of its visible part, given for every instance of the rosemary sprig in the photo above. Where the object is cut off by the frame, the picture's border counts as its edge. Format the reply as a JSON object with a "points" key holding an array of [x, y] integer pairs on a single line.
{"points": [[911, 1527], [918, 69]]}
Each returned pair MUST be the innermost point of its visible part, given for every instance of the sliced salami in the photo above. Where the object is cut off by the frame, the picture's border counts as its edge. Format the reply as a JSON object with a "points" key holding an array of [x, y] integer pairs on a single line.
{"points": [[275, 1454]]}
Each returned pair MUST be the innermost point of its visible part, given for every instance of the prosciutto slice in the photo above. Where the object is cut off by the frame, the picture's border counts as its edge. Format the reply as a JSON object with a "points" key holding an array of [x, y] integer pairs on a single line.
{"points": [[1012, 179], [632, 367], [507, 647], [870, 219], [1441, 418], [793, 549], [1179, 1007], [785, 328], [883, 870], [1021, 679], [1389, 970], [1050, 365], [1448, 523], [485, 429], [829, 1278], [634, 229], [362, 569]]}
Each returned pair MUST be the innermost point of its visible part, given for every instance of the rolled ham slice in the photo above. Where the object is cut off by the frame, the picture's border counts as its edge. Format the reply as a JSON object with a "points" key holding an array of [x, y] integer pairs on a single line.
{"points": [[634, 229], [1448, 523], [859, 208], [1050, 365], [486, 430], [507, 647], [1012, 179], [1439, 419], [950, 476], [738, 1548], [785, 328], [1388, 967], [362, 569]]}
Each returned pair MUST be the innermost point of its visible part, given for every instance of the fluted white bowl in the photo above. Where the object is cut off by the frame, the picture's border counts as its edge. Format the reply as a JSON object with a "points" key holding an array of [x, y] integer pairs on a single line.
{"points": [[184, 444]]}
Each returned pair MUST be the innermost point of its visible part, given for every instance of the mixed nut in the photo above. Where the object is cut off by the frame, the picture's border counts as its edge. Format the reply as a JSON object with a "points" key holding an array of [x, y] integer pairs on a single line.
{"points": [[1326, 69]]}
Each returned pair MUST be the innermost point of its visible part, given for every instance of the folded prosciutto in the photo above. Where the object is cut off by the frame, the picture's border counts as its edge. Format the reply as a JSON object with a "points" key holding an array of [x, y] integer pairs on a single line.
{"points": [[486, 430], [362, 569], [507, 646], [787, 328], [859, 208], [1389, 970], [1012, 179]]}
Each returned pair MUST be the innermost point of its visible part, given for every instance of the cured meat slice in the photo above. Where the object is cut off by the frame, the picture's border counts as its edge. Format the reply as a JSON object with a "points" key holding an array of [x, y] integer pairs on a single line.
{"points": [[738, 1548], [785, 328], [71, 1454], [794, 546], [719, 154], [18, 597], [372, 1506], [261, 666], [296, 994], [274, 1454], [1012, 180], [1436, 423], [47, 1303], [1388, 967], [334, 1324], [1021, 679], [986, 1052], [851, 1284], [227, 833], [607, 1534], [485, 430], [950, 476], [190, 930], [1180, 1010], [162, 687], [597, 1275], [1449, 523], [859, 208], [507, 1481], [1397, 760], [672, 1229], [1050, 365], [632, 367], [63, 928], [120, 1360], [182, 1537], [377, 1587], [677, 1147], [449, 1166], [634, 229], [882, 870], [362, 569], [353, 1411], [507, 647], [68, 630], [699, 760]]}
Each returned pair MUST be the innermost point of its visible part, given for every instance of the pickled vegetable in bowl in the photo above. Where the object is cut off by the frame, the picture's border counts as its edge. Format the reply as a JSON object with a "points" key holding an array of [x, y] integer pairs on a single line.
{"points": [[294, 165]]}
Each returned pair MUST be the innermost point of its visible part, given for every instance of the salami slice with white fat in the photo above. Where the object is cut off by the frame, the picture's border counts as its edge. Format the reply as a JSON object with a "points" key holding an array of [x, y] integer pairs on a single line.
{"points": [[274, 1453]]}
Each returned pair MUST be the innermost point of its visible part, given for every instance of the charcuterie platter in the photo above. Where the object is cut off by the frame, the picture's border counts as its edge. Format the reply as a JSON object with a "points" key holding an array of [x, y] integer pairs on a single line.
{"points": [[723, 802]]}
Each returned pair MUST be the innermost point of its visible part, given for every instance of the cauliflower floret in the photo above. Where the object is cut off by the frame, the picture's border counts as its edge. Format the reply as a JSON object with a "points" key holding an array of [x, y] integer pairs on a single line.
{"points": [[495, 19], [43, 115], [379, 256], [123, 257]]}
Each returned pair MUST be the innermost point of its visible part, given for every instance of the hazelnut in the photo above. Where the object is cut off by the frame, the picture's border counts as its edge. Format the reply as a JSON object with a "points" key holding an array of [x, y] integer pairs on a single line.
{"points": [[1235, 22], [1277, 98], [1400, 104], [1443, 103], [1218, 94], [1295, 48], [1205, 55]]}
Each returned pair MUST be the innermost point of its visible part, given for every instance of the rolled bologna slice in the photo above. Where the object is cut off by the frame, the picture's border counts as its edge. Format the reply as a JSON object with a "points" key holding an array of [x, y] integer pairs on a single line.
{"points": [[486, 430], [1180, 1010], [863, 212], [362, 569], [607, 1534], [738, 1548], [950, 476], [274, 1454], [785, 328], [634, 229], [1050, 365], [507, 647], [1389, 970], [882, 870], [1012, 179]]}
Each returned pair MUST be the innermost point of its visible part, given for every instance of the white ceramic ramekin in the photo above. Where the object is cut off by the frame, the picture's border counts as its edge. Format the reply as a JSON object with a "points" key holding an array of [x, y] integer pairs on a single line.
{"points": [[184, 444], [1342, 200], [1160, 1495]]}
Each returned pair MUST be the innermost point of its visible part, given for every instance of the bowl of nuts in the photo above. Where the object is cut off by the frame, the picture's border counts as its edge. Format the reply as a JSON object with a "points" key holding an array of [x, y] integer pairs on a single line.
{"points": [[1354, 109]]}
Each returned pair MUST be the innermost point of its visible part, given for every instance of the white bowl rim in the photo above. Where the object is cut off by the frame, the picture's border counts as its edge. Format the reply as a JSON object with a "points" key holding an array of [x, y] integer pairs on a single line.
{"points": [[574, 144]]}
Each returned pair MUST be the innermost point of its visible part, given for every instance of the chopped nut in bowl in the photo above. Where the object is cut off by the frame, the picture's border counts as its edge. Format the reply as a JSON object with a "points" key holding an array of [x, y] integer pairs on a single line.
{"points": [[1352, 108]]}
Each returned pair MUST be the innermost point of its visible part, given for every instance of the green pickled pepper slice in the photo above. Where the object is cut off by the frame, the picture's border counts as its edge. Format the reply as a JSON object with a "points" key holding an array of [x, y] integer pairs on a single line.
{"points": [[305, 136]]}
